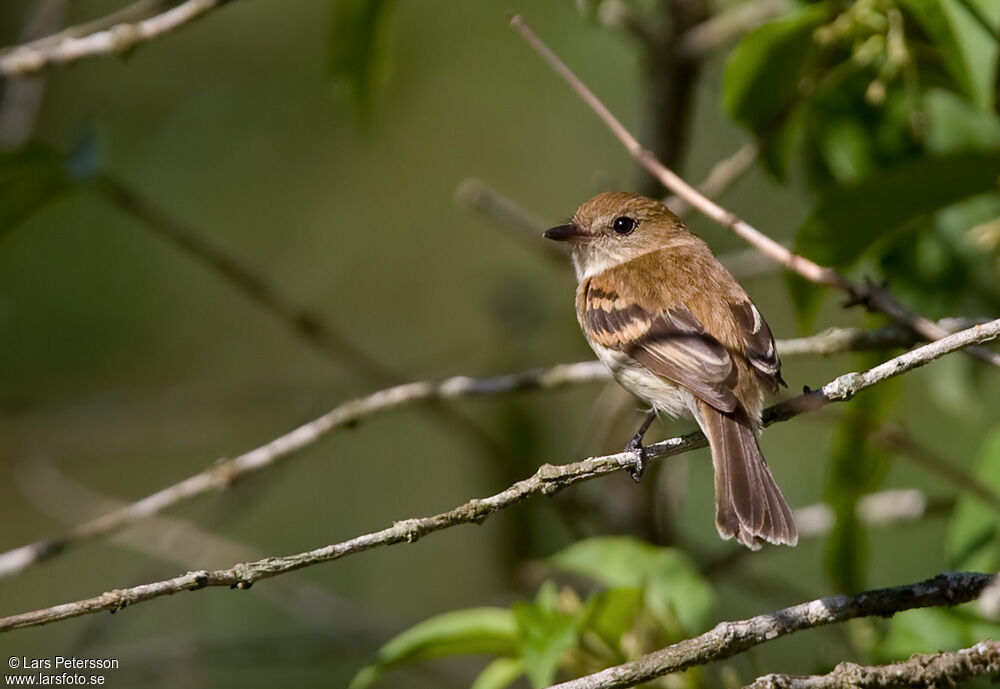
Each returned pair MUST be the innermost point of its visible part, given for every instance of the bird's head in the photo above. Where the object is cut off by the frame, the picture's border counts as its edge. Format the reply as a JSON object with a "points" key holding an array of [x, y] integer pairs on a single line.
{"points": [[616, 227]]}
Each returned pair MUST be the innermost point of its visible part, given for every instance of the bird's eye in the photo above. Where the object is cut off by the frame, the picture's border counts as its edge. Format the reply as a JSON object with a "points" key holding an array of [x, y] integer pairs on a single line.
{"points": [[623, 225]]}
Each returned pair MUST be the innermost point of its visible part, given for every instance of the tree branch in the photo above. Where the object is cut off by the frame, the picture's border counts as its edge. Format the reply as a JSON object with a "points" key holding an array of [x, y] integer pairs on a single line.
{"points": [[548, 480], [121, 38], [225, 473], [700, 40], [731, 638], [307, 325], [869, 295], [947, 668]]}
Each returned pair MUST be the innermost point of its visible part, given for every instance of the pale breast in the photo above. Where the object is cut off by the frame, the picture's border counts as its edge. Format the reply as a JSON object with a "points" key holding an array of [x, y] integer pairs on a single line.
{"points": [[666, 397]]}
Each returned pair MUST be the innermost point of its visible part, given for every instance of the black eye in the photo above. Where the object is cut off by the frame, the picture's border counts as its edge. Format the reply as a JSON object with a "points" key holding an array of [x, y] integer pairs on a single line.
{"points": [[623, 225]]}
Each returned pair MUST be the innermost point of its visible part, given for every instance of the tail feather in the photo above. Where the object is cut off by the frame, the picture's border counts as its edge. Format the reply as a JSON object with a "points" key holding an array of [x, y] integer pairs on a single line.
{"points": [[748, 503]]}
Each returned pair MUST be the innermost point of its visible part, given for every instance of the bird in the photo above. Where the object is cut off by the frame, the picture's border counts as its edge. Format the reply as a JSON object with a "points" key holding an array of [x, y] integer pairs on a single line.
{"points": [[677, 330]]}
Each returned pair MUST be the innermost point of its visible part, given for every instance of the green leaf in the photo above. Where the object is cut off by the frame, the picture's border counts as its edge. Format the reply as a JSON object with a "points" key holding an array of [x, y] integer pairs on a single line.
{"points": [[501, 673], [30, 179], [846, 149], [762, 78], [967, 49], [545, 634], [848, 221], [926, 630], [974, 530], [954, 125], [673, 588], [358, 47], [461, 632], [614, 612], [855, 468]]}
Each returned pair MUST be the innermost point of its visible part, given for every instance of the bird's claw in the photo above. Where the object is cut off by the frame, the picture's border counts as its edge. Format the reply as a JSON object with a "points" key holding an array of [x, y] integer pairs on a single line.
{"points": [[640, 459]]}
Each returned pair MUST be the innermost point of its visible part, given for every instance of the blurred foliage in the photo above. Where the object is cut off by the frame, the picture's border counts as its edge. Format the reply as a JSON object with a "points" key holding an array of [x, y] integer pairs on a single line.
{"points": [[890, 109], [856, 467], [974, 531], [650, 596], [359, 48]]}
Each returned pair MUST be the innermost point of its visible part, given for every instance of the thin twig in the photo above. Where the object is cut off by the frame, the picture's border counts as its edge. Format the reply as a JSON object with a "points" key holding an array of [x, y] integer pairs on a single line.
{"points": [[305, 324], [548, 480], [22, 98], [117, 40], [225, 473], [731, 638], [723, 175], [946, 668], [870, 295], [728, 25], [185, 544], [896, 438]]}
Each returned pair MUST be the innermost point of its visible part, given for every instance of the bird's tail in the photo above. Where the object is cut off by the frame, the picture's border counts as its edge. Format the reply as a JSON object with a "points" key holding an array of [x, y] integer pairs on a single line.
{"points": [[748, 503]]}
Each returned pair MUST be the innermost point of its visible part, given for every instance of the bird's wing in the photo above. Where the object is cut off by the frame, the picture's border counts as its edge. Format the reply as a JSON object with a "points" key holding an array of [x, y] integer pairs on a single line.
{"points": [[758, 344], [670, 342]]}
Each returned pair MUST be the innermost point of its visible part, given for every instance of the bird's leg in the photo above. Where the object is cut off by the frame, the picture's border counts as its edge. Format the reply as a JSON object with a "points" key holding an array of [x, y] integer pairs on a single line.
{"points": [[635, 445]]}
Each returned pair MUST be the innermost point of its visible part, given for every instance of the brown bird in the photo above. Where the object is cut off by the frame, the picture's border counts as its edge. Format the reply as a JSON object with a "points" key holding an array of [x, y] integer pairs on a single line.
{"points": [[677, 330]]}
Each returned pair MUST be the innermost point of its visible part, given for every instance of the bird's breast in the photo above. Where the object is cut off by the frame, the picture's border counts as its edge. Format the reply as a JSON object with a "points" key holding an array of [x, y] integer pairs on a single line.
{"points": [[665, 396]]}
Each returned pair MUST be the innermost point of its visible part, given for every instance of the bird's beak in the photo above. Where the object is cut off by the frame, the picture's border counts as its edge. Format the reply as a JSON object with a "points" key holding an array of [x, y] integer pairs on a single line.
{"points": [[566, 233]]}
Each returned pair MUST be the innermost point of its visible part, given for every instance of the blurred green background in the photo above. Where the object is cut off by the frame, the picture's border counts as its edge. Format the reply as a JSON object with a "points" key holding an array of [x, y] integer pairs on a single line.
{"points": [[127, 365]]}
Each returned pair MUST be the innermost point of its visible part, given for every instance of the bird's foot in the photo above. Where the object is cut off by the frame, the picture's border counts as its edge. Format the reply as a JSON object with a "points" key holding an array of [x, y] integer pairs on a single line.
{"points": [[635, 445]]}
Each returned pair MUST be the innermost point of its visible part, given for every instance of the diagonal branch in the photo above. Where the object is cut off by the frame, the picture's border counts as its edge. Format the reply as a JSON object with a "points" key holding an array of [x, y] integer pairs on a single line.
{"points": [[117, 40], [870, 295], [731, 638], [224, 474], [548, 480], [946, 668]]}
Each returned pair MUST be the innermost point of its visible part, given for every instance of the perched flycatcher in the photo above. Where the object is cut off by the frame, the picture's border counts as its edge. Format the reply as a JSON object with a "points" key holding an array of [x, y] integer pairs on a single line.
{"points": [[678, 331]]}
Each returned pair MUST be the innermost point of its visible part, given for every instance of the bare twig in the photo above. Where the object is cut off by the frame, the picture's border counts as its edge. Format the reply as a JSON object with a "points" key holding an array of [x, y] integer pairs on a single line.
{"points": [[306, 324], [870, 295], [507, 213], [548, 480], [730, 638], [723, 175], [225, 473], [946, 668], [896, 438], [22, 97], [119, 39], [728, 25], [185, 544]]}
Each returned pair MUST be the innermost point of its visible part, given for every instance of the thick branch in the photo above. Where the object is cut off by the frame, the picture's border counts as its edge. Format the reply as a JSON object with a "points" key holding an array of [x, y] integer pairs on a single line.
{"points": [[548, 480], [947, 668], [224, 474], [730, 638], [870, 295], [119, 39]]}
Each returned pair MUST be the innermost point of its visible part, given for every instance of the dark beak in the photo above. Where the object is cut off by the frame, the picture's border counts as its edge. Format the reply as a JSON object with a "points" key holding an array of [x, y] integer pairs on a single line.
{"points": [[565, 233]]}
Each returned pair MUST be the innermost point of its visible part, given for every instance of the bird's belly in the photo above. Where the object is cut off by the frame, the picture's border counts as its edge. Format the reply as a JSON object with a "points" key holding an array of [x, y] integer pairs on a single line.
{"points": [[666, 397]]}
